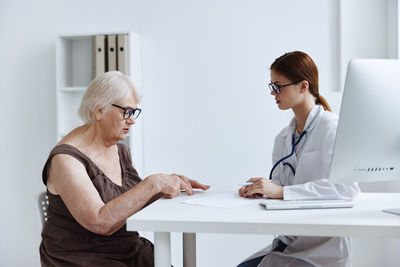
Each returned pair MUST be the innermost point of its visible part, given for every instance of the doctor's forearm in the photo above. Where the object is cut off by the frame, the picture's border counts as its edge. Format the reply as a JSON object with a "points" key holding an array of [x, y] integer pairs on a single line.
{"points": [[320, 189]]}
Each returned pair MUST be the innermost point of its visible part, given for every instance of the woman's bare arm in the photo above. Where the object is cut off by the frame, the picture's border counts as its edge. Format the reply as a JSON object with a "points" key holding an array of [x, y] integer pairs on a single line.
{"points": [[68, 178]]}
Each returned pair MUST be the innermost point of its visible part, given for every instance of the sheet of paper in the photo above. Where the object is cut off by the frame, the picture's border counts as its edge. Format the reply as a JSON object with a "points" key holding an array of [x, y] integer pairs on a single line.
{"points": [[225, 200]]}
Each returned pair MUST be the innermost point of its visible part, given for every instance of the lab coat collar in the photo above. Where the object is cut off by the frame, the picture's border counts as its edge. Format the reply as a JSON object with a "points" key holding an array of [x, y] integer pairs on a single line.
{"points": [[311, 121]]}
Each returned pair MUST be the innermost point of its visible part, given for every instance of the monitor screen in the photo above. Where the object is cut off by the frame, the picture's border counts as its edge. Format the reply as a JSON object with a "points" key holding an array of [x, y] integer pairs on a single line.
{"points": [[367, 145]]}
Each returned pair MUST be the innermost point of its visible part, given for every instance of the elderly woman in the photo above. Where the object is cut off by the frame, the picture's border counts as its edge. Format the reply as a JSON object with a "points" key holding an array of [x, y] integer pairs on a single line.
{"points": [[93, 188]]}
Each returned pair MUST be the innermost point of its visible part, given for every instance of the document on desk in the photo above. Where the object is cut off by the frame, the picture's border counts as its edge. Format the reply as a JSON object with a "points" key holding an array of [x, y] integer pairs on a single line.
{"points": [[223, 200]]}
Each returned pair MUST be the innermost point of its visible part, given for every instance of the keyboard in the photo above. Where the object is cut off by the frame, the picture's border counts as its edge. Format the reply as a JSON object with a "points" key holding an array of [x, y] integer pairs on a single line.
{"points": [[278, 204]]}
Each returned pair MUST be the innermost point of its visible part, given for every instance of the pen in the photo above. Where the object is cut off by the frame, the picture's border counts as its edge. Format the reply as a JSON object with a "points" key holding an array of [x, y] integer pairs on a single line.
{"points": [[244, 184]]}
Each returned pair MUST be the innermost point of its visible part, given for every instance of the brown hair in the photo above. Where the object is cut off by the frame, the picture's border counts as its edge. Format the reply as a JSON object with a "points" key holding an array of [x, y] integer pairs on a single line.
{"points": [[298, 66]]}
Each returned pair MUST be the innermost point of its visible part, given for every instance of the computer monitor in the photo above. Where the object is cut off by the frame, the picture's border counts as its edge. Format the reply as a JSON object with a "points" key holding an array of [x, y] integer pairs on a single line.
{"points": [[367, 145]]}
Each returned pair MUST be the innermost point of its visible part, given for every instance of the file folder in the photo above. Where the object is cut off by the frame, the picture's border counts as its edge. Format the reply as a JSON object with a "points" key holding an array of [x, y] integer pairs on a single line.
{"points": [[112, 54], [99, 55], [122, 54]]}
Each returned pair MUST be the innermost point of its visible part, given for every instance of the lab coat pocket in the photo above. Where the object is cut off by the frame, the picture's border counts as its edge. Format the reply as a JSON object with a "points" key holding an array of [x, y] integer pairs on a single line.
{"points": [[311, 166]]}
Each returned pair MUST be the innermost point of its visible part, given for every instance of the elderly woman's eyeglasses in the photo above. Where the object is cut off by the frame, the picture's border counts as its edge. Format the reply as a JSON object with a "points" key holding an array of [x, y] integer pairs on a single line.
{"points": [[128, 112], [277, 88]]}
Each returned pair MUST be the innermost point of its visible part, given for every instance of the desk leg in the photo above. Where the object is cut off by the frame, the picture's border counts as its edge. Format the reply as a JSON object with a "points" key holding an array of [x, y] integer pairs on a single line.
{"points": [[189, 249], [162, 249]]}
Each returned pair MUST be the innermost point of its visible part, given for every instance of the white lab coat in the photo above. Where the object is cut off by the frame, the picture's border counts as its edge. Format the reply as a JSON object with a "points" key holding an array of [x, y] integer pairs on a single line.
{"points": [[311, 161]]}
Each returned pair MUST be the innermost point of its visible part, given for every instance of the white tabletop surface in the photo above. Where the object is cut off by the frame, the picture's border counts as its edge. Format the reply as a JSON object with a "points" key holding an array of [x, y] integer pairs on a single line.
{"points": [[365, 219]]}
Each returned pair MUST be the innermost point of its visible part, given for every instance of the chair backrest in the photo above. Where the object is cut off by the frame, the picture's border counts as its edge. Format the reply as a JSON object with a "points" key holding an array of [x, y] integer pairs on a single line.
{"points": [[43, 203]]}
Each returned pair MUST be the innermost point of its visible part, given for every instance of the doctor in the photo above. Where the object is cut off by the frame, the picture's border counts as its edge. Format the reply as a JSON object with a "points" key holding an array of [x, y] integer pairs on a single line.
{"points": [[302, 158]]}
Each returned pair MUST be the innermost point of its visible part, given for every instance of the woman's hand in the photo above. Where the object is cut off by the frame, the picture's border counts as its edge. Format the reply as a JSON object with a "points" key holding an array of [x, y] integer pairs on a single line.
{"points": [[171, 185], [261, 187], [193, 183]]}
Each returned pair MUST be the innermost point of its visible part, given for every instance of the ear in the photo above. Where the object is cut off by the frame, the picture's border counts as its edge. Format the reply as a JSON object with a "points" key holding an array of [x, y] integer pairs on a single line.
{"points": [[304, 86], [98, 113]]}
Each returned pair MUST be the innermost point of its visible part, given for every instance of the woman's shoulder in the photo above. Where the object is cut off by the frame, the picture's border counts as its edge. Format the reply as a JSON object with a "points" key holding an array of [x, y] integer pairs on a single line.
{"points": [[71, 148], [73, 138], [62, 155], [67, 154]]}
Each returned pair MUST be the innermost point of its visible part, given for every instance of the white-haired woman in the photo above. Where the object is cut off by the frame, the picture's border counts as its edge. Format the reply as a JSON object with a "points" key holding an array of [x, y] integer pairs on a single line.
{"points": [[93, 187]]}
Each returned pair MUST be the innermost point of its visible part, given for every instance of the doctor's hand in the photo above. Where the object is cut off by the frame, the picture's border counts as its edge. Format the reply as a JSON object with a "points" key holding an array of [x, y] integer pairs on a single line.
{"points": [[261, 187]]}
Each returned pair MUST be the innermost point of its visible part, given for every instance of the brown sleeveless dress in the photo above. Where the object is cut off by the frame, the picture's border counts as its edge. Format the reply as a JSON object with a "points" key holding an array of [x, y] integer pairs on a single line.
{"points": [[66, 243]]}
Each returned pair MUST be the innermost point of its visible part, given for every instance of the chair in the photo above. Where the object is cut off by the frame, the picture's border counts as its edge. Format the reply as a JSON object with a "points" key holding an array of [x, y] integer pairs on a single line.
{"points": [[43, 203]]}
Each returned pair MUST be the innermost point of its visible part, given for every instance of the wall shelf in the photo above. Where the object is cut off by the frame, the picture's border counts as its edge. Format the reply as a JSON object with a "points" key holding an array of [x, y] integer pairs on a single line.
{"points": [[73, 76], [73, 89]]}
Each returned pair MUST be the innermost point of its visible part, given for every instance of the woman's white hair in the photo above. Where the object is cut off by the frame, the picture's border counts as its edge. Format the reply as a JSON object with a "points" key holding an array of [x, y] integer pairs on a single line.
{"points": [[106, 89]]}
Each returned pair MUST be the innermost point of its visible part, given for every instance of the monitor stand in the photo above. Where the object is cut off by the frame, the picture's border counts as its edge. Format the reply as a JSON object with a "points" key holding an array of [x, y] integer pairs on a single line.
{"points": [[393, 211]]}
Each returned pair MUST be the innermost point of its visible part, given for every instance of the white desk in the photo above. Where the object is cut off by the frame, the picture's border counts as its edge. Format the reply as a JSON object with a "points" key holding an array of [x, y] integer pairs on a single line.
{"points": [[366, 219]]}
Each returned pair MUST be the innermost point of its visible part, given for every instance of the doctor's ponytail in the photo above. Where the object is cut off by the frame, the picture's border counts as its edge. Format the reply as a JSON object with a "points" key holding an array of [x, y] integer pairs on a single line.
{"points": [[321, 101], [298, 66]]}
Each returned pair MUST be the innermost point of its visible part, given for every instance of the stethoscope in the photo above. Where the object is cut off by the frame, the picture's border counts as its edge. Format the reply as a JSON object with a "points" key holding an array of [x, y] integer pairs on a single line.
{"points": [[288, 156], [293, 147]]}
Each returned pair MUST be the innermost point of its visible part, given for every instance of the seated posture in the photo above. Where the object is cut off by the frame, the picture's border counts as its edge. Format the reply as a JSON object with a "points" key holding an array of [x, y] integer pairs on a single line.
{"points": [[93, 187], [301, 158]]}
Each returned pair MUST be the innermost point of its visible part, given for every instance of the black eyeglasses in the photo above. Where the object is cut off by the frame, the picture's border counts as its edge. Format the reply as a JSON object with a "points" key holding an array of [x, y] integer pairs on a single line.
{"points": [[128, 112], [277, 88]]}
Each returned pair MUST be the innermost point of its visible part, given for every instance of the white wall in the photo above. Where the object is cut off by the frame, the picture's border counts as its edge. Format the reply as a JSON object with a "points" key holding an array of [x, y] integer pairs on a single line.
{"points": [[206, 108]]}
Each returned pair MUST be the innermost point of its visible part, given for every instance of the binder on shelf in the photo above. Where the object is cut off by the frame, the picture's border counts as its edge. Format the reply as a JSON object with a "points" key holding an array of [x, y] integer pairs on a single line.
{"points": [[122, 54], [99, 55], [111, 52]]}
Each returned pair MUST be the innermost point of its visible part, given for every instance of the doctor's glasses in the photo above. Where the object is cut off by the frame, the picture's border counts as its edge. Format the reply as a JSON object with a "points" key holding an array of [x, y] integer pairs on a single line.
{"points": [[277, 88]]}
